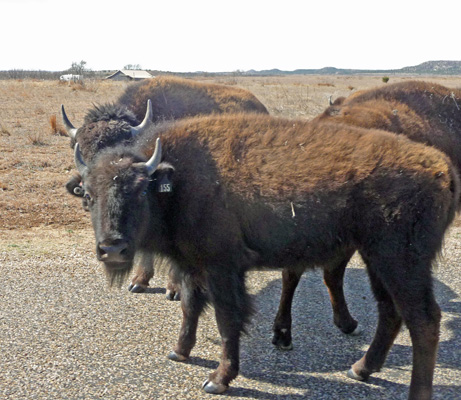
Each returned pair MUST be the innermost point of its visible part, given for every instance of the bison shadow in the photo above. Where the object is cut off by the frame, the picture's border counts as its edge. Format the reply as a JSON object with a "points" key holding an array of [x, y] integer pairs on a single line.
{"points": [[320, 348]]}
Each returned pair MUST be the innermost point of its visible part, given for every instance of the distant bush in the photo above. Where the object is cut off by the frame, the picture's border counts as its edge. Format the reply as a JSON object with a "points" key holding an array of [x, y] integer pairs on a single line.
{"points": [[385, 79]]}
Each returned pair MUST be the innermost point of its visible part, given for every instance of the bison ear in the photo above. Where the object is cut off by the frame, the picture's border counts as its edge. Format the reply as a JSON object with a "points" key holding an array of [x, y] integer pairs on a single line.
{"points": [[74, 186], [163, 178]]}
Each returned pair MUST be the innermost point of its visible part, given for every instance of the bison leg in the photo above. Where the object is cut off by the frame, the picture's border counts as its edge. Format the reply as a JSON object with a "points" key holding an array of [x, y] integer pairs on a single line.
{"points": [[389, 322], [424, 332], [173, 286], [282, 322], [410, 293], [143, 274], [422, 316], [193, 301], [333, 277], [232, 310]]}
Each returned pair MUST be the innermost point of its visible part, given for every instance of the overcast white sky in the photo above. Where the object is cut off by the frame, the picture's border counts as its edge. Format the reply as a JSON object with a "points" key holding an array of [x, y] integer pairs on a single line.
{"points": [[214, 36]]}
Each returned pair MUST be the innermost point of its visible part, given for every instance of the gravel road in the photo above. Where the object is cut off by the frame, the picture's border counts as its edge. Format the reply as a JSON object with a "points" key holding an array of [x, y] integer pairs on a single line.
{"points": [[65, 335]]}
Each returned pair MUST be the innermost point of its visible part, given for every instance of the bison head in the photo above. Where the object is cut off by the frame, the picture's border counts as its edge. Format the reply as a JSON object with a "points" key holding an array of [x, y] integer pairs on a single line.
{"points": [[117, 188], [105, 126]]}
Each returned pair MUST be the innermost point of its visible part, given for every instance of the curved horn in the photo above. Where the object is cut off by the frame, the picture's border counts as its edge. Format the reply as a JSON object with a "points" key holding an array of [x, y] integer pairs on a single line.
{"points": [[81, 166], [71, 130], [154, 161], [329, 100], [147, 121]]}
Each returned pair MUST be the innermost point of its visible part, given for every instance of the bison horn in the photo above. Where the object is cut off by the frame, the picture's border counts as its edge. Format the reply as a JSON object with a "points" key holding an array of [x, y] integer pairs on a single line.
{"points": [[71, 130], [154, 161], [81, 166], [147, 121], [329, 100]]}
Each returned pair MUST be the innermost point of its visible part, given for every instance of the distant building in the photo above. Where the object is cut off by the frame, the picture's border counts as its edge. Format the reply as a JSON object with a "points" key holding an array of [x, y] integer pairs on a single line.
{"points": [[129, 75]]}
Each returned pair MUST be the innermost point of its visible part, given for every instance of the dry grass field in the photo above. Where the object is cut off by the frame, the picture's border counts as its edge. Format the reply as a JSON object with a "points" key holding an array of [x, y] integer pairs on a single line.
{"points": [[65, 334]]}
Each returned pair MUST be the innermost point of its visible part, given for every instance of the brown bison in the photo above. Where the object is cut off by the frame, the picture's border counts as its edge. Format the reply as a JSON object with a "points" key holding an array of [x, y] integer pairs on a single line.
{"points": [[171, 98], [248, 191], [424, 112], [174, 98]]}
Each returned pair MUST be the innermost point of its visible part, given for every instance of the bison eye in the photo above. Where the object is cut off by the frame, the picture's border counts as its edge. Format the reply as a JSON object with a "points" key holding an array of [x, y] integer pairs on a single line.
{"points": [[144, 193]]}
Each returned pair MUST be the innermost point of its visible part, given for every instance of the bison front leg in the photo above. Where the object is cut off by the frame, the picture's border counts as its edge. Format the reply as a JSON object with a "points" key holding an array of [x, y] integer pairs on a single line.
{"points": [[144, 272], [173, 286], [282, 322], [193, 301], [232, 310]]}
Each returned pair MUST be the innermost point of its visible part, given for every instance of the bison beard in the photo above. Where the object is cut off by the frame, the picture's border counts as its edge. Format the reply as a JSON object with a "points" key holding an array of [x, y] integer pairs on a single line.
{"points": [[255, 191]]}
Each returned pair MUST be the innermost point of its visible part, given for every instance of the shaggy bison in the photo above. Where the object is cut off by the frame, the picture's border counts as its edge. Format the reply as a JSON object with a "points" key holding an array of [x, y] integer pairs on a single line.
{"points": [[174, 98], [171, 98], [424, 112], [250, 191]]}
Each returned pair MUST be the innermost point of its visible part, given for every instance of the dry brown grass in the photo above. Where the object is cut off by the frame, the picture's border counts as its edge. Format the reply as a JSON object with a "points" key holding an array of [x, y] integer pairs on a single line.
{"points": [[36, 161]]}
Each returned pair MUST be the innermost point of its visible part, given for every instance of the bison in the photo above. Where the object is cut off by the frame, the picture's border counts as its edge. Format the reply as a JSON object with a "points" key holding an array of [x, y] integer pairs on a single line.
{"points": [[174, 98], [253, 191], [424, 112], [171, 98]]}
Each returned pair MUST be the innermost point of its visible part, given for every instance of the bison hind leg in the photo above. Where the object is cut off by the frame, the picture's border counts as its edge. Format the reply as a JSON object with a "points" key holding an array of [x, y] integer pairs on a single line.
{"points": [[333, 278], [389, 323], [403, 289]]}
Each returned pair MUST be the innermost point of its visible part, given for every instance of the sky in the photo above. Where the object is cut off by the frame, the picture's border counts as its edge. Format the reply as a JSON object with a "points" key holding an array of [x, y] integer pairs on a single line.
{"points": [[227, 36]]}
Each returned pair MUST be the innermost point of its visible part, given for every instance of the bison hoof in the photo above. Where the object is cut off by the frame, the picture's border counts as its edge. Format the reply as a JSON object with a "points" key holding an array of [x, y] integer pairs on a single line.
{"points": [[137, 288], [357, 331], [171, 295], [282, 339], [285, 347], [351, 374], [214, 388], [176, 357]]}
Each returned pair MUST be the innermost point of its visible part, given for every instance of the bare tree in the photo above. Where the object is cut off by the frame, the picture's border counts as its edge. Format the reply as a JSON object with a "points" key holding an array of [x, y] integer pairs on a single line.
{"points": [[132, 66], [78, 68]]}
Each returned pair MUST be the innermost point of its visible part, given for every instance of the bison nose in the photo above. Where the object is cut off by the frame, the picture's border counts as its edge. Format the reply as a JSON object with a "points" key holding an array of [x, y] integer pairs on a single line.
{"points": [[112, 252]]}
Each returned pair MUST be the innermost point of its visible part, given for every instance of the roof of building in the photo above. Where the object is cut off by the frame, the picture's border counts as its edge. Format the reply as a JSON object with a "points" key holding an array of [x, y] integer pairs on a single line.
{"points": [[132, 73]]}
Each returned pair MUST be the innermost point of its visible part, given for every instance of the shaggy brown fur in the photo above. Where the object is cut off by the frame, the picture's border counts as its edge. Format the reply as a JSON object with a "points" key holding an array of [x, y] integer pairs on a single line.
{"points": [[174, 98], [333, 154], [255, 191], [425, 112]]}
